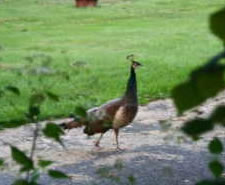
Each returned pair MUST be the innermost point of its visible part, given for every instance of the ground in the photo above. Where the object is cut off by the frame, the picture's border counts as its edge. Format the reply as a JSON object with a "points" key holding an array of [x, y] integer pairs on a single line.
{"points": [[156, 152]]}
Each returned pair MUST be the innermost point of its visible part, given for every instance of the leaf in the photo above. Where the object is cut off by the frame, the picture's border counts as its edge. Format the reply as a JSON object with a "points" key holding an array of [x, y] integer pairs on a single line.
{"points": [[80, 111], [196, 127], [13, 89], [1, 162], [218, 116], [44, 163], [215, 146], [34, 111], [21, 182], [21, 158], [212, 182], [53, 131], [52, 96], [199, 87], [12, 123], [216, 168], [205, 182], [37, 99], [35, 175], [132, 179], [217, 24], [57, 174], [67, 77]]}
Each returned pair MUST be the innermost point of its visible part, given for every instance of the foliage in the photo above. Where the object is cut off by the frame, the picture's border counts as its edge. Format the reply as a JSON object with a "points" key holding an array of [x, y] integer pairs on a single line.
{"points": [[57, 174], [216, 168], [13, 89], [1, 162], [200, 85], [216, 146], [51, 130], [38, 68], [44, 163], [217, 24], [20, 157], [205, 82]]}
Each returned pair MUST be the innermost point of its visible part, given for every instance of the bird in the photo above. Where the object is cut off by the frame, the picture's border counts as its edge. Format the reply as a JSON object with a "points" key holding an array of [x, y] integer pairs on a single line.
{"points": [[114, 114]]}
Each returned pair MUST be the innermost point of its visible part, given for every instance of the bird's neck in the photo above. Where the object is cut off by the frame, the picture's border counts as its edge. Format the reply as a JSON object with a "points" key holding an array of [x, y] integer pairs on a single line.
{"points": [[131, 90]]}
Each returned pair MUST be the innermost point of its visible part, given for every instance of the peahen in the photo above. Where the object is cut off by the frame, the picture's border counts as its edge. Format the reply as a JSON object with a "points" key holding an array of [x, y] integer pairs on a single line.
{"points": [[114, 114]]}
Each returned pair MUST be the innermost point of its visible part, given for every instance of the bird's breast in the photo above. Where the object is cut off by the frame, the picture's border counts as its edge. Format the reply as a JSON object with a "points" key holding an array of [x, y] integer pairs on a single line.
{"points": [[124, 116]]}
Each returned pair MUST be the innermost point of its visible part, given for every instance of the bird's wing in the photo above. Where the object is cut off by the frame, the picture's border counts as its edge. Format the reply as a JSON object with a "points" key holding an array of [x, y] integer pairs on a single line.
{"points": [[110, 108], [100, 119], [105, 111]]}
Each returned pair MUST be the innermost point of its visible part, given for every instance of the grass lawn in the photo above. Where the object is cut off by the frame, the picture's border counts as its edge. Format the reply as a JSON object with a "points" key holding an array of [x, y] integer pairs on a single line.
{"points": [[45, 42]]}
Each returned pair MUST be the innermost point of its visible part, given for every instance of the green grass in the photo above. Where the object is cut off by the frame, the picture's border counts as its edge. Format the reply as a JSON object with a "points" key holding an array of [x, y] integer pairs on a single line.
{"points": [[170, 38]]}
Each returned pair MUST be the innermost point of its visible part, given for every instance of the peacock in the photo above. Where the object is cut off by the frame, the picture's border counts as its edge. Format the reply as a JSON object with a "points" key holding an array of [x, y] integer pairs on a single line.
{"points": [[114, 114]]}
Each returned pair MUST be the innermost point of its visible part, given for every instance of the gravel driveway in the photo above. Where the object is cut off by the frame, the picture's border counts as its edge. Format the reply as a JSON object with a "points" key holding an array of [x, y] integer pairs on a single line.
{"points": [[156, 152]]}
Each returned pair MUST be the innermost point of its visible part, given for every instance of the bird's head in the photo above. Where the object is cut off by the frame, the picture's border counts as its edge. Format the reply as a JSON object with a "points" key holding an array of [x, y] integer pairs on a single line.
{"points": [[134, 64]]}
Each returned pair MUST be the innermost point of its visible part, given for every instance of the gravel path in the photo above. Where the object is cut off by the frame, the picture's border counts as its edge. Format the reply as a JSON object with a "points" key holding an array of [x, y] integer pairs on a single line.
{"points": [[156, 153]]}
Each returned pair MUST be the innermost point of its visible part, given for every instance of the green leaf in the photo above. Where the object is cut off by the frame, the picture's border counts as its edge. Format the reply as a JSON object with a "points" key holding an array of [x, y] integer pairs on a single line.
{"points": [[57, 174], [21, 182], [53, 131], [52, 96], [217, 24], [44, 163], [132, 179], [80, 111], [20, 157], [212, 182], [35, 175], [199, 87], [215, 146], [205, 182], [34, 111], [218, 116], [13, 89], [37, 99], [12, 123], [196, 127], [216, 168], [1, 162]]}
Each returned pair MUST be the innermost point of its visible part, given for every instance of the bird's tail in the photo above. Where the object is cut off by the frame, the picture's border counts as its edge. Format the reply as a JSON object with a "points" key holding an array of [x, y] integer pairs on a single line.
{"points": [[70, 125]]}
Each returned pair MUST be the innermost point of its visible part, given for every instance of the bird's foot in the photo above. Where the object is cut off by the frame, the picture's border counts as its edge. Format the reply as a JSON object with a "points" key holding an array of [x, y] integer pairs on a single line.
{"points": [[119, 149], [96, 149], [97, 143], [97, 146]]}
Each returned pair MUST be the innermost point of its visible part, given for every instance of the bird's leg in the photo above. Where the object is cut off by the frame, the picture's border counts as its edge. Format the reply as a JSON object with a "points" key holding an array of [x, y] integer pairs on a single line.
{"points": [[116, 131], [98, 141]]}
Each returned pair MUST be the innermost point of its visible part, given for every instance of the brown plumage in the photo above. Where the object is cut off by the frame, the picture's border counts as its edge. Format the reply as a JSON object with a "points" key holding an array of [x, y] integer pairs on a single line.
{"points": [[114, 114]]}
